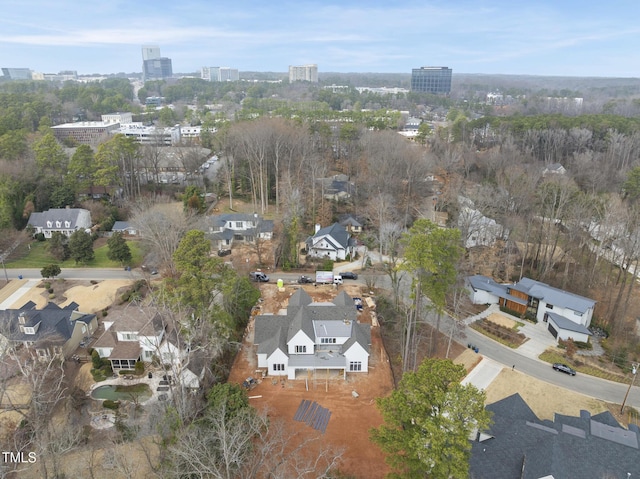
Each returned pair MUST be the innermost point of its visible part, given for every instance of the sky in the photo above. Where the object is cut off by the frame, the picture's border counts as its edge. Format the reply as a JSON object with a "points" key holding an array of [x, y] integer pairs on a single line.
{"points": [[534, 37]]}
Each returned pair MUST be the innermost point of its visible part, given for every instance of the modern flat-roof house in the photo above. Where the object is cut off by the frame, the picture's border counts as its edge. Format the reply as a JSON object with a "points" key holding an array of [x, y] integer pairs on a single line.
{"points": [[224, 230], [310, 337], [568, 315], [518, 444], [333, 242], [63, 220], [51, 331]]}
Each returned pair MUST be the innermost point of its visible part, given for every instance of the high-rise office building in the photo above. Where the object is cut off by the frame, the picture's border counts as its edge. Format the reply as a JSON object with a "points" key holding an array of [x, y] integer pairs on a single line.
{"points": [[229, 74], [210, 73], [431, 80], [155, 66], [150, 52], [303, 73], [219, 74]]}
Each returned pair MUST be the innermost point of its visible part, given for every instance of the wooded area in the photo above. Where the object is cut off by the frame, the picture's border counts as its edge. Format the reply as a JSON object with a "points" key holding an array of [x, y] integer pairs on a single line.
{"points": [[563, 184]]}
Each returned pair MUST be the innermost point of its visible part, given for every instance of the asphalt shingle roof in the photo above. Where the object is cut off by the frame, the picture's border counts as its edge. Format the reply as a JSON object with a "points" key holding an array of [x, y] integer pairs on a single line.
{"points": [[569, 447]]}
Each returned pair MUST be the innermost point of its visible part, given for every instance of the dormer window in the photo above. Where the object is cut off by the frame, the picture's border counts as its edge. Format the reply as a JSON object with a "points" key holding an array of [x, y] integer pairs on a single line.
{"points": [[49, 224], [67, 224], [58, 224]]}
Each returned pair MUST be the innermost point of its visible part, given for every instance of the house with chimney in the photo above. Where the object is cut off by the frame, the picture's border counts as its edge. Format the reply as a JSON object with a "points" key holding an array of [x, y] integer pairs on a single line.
{"points": [[63, 220], [227, 229], [51, 331], [333, 242], [519, 444]]}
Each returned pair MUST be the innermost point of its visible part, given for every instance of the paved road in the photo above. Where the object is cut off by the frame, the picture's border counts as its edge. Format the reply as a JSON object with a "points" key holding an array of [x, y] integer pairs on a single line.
{"points": [[523, 360], [77, 273]]}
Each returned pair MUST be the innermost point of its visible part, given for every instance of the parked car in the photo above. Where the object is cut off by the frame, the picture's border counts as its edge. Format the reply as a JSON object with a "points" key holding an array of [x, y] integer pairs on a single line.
{"points": [[304, 280], [224, 252], [564, 368], [349, 275], [259, 276]]}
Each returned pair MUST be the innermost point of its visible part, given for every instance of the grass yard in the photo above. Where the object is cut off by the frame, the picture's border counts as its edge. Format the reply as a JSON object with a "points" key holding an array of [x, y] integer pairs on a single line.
{"points": [[35, 255]]}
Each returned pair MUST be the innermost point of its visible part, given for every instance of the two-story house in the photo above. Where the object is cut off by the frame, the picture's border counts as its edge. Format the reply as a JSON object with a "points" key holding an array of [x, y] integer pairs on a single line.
{"points": [[333, 242], [48, 332], [135, 334], [567, 315], [313, 337], [226, 229], [63, 220]]}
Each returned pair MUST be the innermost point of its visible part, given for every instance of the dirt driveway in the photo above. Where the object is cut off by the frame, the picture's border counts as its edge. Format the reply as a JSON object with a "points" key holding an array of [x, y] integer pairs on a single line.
{"points": [[351, 416]]}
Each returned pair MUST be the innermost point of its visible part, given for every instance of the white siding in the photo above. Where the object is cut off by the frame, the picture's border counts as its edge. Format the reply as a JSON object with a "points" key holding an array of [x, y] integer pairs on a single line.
{"points": [[277, 357], [300, 339], [356, 353]]}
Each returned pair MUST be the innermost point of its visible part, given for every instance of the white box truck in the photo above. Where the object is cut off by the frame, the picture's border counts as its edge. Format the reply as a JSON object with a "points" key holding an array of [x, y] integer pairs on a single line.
{"points": [[327, 277]]}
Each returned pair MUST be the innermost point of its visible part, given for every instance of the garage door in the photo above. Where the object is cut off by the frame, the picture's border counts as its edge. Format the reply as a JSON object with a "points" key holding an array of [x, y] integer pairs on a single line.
{"points": [[553, 331]]}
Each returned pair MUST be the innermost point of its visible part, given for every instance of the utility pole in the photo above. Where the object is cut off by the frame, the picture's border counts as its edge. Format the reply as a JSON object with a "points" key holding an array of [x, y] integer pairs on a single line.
{"points": [[634, 370]]}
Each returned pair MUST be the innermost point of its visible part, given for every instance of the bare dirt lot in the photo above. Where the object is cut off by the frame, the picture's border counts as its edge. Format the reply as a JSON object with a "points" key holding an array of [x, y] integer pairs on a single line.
{"points": [[351, 417]]}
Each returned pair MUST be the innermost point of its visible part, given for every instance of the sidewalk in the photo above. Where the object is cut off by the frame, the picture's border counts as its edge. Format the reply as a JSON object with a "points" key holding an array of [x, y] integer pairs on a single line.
{"points": [[17, 289], [483, 374]]}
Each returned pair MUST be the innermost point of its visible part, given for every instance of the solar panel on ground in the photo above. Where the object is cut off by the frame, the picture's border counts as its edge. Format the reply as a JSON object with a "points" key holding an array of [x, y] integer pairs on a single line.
{"points": [[313, 415]]}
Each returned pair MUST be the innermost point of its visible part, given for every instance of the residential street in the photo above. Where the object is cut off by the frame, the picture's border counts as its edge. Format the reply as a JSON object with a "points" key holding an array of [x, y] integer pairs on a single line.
{"points": [[524, 358]]}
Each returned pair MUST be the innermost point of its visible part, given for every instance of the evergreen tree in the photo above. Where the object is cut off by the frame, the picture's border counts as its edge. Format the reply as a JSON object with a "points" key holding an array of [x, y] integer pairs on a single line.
{"points": [[81, 247], [428, 420], [118, 249]]}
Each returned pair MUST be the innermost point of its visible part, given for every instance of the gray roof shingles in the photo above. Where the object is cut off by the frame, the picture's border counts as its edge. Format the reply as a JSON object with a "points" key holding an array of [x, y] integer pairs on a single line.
{"points": [[574, 447]]}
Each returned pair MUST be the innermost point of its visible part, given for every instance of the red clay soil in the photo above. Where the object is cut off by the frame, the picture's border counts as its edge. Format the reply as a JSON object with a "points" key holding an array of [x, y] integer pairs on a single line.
{"points": [[351, 417]]}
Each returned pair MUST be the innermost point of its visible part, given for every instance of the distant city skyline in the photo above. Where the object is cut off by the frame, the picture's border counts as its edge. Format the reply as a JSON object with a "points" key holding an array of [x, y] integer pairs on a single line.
{"points": [[544, 37]]}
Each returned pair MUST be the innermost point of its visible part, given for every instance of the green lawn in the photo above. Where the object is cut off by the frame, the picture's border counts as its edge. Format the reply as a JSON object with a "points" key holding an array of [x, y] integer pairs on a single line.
{"points": [[35, 255]]}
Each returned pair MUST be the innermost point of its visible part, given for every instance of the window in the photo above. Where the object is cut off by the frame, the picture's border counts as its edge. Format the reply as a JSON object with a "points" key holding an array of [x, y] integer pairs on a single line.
{"points": [[129, 337], [239, 224], [355, 366], [301, 349], [278, 367], [549, 306], [328, 340]]}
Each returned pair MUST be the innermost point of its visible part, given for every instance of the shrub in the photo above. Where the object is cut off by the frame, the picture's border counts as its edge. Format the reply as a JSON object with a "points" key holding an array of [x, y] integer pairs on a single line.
{"points": [[96, 360], [139, 368], [104, 312], [110, 404], [46, 285], [52, 296], [50, 290], [327, 265], [39, 236], [124, 372]]}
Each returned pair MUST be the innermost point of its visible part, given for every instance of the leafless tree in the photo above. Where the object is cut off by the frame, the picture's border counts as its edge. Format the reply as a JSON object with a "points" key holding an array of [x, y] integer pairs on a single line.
{"points": [[247, 445], [162, 225]]}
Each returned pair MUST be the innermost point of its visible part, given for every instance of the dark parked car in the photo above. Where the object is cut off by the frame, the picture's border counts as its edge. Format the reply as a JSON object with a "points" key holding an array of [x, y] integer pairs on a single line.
{"points": [[224, 252], [304, 280], [349, 275], [259, 276], [564, 368]]}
